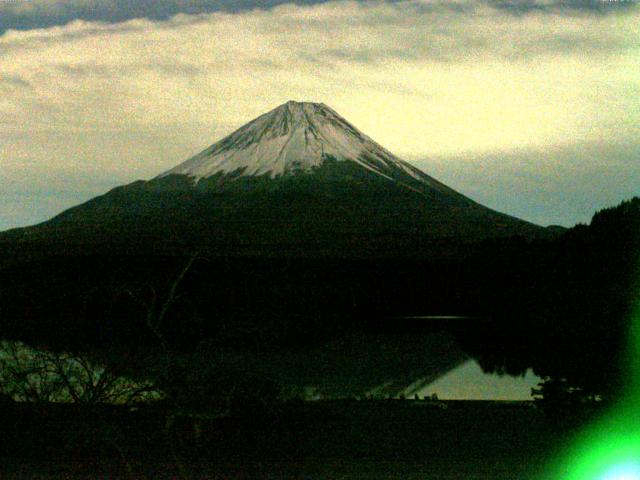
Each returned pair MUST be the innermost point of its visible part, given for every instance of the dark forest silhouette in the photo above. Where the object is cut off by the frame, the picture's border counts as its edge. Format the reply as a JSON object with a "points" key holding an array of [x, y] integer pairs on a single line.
{"points": [[560, 306]]}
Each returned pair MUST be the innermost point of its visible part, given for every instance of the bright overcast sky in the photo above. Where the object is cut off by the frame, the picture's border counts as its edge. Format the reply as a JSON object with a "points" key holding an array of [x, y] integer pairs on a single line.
{"points": [[530, 107]]}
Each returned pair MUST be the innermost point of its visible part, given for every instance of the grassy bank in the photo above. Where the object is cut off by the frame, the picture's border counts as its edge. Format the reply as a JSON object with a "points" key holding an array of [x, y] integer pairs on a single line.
{"points": [[314, 440]]}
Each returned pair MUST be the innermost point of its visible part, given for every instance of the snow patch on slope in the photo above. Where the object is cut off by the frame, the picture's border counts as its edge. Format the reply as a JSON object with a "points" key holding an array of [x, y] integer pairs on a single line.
{"points": [[296, 136]]}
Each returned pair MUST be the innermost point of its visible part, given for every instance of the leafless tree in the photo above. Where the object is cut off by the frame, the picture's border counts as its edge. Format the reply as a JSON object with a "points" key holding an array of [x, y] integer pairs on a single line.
{"points": [[38, 375]]}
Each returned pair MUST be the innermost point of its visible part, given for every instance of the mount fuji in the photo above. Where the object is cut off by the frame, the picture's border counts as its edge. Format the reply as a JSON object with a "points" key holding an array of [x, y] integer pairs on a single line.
{"points": [[299, 179]]}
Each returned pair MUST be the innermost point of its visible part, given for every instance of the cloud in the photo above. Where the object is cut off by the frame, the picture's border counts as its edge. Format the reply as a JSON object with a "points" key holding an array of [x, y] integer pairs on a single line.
{"points": [[29, 14], [427, 79]]}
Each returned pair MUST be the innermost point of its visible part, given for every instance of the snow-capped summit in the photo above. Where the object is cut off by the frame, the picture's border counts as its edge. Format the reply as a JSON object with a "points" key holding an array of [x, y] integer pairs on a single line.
{"points": [[294, 137]]}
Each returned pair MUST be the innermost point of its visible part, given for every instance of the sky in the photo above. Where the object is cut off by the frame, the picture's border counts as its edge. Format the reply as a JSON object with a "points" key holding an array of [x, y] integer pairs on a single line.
{"points": [[531, 107]]}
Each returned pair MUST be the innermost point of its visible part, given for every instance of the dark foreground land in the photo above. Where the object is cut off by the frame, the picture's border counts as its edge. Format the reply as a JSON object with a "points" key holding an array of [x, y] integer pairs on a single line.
{"points": [[374, 439]]}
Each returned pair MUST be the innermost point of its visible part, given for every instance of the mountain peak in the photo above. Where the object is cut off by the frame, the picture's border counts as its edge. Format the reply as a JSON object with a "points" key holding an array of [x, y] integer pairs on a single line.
{"points": [[293, 137], [296, 104]]}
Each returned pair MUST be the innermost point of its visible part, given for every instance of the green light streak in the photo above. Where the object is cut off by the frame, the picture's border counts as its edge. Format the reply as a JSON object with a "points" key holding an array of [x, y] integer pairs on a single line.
{"points": [[610, 448]]}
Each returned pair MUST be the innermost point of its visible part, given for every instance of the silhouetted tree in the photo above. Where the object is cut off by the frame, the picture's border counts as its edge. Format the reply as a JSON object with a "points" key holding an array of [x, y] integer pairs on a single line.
{"points": [[37, 375], [569, 315]]}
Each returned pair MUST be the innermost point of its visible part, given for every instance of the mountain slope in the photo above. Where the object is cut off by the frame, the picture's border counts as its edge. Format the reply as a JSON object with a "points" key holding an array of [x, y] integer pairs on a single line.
{"points": [[298, 179]]}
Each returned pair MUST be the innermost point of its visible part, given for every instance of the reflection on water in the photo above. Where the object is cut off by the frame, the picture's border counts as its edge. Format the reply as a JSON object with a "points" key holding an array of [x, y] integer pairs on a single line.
{"points": [[361, 364], [469, 382], [381, 366]]}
